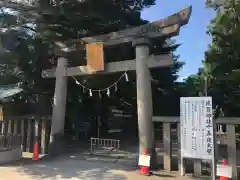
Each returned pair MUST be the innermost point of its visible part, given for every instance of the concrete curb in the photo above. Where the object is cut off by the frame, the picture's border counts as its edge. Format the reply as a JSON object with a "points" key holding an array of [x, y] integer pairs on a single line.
{"points": [[10, 155]]}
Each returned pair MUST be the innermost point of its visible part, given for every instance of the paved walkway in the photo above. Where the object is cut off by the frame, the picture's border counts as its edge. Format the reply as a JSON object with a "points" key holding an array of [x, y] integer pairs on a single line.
{"points": [[77, 168]]}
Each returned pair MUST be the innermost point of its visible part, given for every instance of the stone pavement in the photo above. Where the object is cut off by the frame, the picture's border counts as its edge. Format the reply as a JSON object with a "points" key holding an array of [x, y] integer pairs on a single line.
{"points": [[76, 167]]}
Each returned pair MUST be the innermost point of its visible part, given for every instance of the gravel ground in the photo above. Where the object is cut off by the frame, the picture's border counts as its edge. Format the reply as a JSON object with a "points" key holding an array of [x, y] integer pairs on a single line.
{"points": [[77, 167]]}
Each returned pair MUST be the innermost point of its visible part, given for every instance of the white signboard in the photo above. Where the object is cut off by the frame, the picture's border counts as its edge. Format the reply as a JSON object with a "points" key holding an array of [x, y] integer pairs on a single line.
{"points": [[144, 160], [225, 171], [196, 127]]}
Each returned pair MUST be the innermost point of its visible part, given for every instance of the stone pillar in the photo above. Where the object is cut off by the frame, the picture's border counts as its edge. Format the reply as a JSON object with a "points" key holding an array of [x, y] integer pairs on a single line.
{"points": [[144, 96], [5, 130], [59, 108]]}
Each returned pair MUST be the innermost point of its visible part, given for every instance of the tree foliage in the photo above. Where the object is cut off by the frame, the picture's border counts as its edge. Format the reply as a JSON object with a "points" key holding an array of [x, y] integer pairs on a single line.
{"points": [[220, 75], [223, 56], [28, 34]]}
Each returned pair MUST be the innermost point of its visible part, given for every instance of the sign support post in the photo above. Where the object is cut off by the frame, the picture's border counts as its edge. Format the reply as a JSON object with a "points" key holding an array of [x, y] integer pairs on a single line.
{"points": [[214, 165]]}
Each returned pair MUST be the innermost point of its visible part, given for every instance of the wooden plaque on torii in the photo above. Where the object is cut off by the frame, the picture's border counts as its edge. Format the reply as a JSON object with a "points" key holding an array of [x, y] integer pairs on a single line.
{"points": [[95, 57]]}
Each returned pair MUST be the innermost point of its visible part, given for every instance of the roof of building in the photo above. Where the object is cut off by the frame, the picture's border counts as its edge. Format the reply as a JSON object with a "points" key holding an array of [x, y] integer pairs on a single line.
{"points": [[9, 90]]}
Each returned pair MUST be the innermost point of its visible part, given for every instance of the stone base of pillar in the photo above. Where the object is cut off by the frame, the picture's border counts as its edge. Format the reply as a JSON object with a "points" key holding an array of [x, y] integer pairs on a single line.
{"points": [[57, 145]]}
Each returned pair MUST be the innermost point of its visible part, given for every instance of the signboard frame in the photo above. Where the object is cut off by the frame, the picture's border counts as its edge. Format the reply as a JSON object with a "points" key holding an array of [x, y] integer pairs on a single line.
{"points": [[197, 130]]}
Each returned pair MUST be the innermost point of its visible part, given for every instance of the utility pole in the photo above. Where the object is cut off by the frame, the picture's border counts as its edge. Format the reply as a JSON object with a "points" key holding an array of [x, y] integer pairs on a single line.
{"points": [[214, 128], [205, 84]]}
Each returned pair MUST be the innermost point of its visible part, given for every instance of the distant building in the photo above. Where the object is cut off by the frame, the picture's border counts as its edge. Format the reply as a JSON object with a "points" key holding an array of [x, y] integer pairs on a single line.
{"points": [[8, 91], [6, 94]]}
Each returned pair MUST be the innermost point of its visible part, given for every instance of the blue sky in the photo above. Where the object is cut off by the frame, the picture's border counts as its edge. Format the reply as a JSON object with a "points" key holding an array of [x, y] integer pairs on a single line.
{"points": [[192, 36]]}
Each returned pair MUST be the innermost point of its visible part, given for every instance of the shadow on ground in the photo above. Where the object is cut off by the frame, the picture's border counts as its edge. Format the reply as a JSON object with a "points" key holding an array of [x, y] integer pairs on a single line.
{"points": [[68, 168], [76, 167]]}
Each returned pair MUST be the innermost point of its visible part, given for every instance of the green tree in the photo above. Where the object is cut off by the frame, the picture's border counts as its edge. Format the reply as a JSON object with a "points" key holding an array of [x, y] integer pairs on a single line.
{"points": [[57, 20], [50, 21], [223, 55]]}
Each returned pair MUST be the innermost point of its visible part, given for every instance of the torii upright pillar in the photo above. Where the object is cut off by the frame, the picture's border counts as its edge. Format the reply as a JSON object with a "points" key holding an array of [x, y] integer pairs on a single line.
{"points": [[59, 108], [144, 95]]}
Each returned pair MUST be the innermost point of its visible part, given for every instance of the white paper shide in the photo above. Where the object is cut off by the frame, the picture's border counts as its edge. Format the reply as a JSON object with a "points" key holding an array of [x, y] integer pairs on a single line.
{"points": [[196, 127]]}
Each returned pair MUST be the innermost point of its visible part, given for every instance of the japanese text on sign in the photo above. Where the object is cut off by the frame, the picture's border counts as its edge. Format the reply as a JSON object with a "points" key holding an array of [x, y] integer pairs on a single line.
{"points": [[196, 127]]}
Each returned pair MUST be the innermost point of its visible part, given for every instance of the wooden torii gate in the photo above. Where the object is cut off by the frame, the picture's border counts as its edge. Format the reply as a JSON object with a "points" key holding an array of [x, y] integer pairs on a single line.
{"points": [[141, 39]]}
